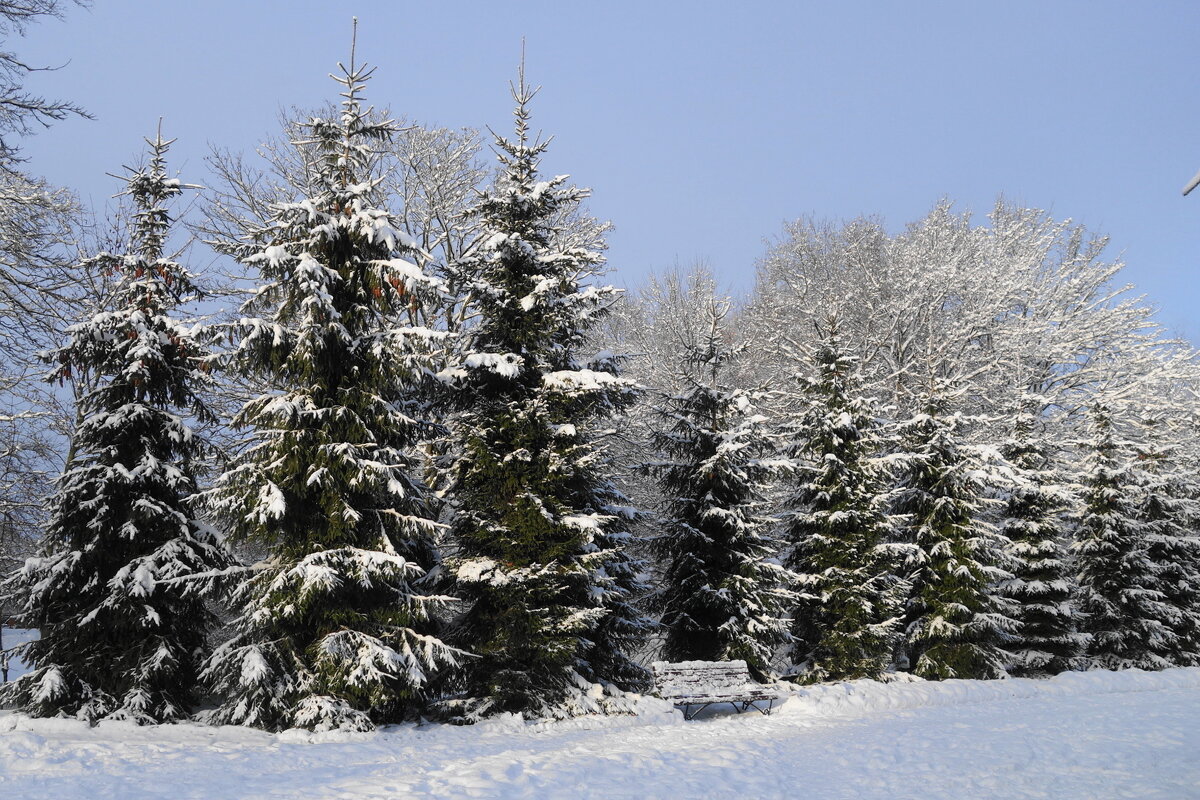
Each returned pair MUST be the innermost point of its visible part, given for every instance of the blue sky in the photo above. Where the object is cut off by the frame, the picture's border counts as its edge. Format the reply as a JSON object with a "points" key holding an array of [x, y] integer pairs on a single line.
{"points": [[701, 127]]}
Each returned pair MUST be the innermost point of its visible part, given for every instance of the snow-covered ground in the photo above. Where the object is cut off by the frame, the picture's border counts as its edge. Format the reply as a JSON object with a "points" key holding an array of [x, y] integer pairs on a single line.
{"points": [[1095, 736]]}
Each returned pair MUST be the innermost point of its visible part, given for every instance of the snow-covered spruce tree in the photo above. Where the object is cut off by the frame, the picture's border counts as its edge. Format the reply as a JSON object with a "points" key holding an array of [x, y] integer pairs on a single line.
{"points": [[539, 527], [1170, 511], [1169, 514], [1046, 640], [954, 623], [122, 630], [334, 627], [719, 593], [846, 622], [1126, 615]]}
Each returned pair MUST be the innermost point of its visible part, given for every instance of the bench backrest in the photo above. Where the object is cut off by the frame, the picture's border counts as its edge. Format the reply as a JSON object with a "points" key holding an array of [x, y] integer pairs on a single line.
{"points": [[698, 677]]}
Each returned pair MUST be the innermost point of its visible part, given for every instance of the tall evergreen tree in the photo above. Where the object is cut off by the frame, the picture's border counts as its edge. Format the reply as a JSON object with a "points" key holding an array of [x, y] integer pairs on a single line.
{"points": [[720, 595], [847, 622], [1169, 510], [539, 527], [954, 623], [1169, 515], [1127, 617], [334, 628], [122, 630], [1046, 640]]}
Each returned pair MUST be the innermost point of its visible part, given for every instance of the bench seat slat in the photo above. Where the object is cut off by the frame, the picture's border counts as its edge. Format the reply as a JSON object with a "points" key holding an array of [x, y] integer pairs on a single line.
{"points": [[720, 698]]}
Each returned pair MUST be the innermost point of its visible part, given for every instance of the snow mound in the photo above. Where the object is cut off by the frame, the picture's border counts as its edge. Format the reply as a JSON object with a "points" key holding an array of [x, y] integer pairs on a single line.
{"points": [[855, 697]]}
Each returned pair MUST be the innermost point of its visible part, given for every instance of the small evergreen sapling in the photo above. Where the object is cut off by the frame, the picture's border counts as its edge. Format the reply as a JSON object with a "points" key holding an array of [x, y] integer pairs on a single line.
{"points": [[720, 595], [846, 624], [335, 627], [122, 627]]}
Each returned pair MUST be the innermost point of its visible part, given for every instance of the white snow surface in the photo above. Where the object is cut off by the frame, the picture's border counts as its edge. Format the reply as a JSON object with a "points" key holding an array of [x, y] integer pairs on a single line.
{"points": [[1094, 735]]}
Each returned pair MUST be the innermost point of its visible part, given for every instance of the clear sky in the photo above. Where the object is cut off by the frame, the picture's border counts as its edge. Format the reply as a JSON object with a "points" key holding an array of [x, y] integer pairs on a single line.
{"points": [[701, 127]]}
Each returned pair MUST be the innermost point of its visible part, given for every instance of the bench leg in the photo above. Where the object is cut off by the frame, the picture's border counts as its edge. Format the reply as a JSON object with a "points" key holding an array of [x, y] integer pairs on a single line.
{"points": [[766, 712], [739, 707]]}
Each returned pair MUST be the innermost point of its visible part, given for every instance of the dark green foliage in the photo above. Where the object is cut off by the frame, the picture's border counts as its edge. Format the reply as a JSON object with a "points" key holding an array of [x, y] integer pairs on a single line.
{"points": [[954, 624], [719, 595], [846, 623], [1046, 640], [335, 628], [1169, 512], [1173, 550], [1126, 615], [539, 527], [122, 628]]}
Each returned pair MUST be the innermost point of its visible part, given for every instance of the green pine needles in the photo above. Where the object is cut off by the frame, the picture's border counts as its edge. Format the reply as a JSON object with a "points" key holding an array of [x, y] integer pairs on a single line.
{"points": [[846, 624], [955, 625], [335, 629], [540, 569], [721, 594], [1127, 616], [1169, 512], [1040, 591]]}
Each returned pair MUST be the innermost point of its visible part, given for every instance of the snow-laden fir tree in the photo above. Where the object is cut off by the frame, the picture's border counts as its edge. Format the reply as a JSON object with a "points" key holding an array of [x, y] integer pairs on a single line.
{"points": [[1169, 515], [719, 592], [334, 628], [540, 529], [1046, 640], [954, 623], [846, 623], [1126, 616], [122, 628]]}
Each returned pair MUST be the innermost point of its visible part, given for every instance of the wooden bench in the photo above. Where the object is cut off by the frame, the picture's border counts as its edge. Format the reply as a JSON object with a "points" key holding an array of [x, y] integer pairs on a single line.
{"points": [[703, 683]]}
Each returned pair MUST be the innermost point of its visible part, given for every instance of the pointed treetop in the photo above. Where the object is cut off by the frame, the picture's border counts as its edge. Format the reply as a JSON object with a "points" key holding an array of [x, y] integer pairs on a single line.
{"points": [[522, 149], [354, 78], [522, 94], [151, 189]]}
